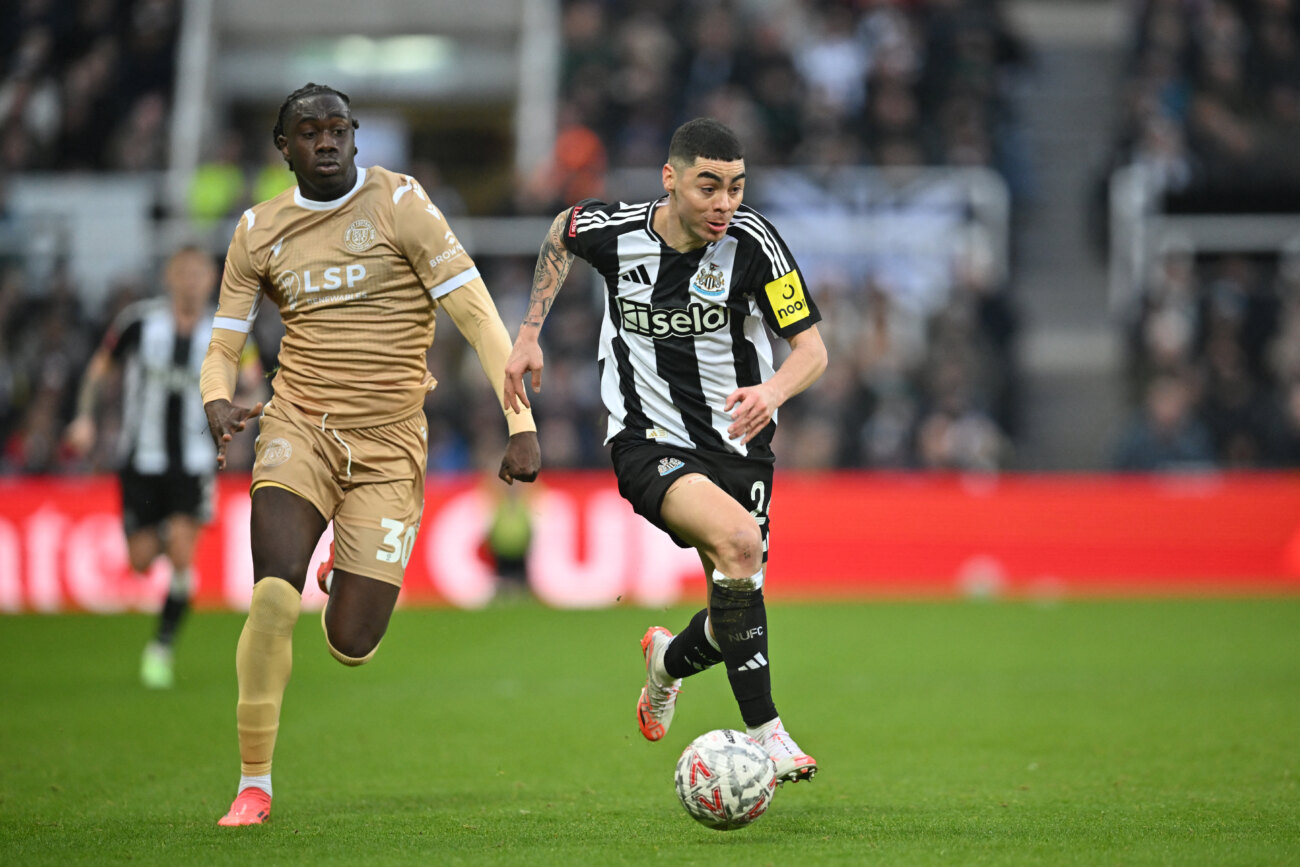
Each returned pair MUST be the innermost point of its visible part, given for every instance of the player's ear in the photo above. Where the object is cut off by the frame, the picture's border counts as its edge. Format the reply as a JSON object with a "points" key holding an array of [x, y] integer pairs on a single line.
{"points": [[670, 177]]}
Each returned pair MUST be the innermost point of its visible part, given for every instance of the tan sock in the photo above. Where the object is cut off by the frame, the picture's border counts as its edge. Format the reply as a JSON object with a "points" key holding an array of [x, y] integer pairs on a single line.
{"points": [[263, 662]]}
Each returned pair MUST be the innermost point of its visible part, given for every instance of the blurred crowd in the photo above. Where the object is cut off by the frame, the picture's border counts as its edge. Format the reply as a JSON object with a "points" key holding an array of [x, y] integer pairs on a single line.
{"points": [[1211, 104], [86, 84], [1213, 120], [924, 371], [1214, 353]]}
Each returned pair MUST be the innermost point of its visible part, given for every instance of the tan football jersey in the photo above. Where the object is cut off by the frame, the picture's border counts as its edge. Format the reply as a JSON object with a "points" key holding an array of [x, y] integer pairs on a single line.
{"points": [[357, 281]]}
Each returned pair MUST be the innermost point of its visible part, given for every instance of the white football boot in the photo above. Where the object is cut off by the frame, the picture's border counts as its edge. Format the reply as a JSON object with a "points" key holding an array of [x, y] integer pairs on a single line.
{"points": [[792, 764]]}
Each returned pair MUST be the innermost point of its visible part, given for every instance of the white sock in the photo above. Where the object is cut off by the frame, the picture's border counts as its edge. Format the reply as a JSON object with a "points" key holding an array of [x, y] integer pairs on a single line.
{"points": [[758, 733], [182, 582], [708, 633], [262, 781]]}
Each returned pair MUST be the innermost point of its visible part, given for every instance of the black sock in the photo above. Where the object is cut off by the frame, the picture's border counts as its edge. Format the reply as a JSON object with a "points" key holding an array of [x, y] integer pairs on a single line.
{"points": [[690, 652], [170, 620], [740, 626]]}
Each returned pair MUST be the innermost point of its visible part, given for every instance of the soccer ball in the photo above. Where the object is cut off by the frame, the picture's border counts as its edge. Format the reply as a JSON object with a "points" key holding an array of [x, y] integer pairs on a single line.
{"points": [[725, 779]]}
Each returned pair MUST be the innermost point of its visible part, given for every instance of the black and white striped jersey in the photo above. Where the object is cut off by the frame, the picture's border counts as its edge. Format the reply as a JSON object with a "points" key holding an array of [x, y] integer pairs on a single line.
{"points": [[164, 428], [682, 331]]}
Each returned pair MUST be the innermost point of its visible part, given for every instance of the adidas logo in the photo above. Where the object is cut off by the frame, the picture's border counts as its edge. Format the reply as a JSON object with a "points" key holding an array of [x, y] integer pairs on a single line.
{"points": [[755, 662], [639, 274], [668, 465]]}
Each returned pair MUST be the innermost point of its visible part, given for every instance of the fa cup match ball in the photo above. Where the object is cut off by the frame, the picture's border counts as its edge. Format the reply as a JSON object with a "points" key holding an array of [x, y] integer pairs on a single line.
{"points": [[725, 779]]}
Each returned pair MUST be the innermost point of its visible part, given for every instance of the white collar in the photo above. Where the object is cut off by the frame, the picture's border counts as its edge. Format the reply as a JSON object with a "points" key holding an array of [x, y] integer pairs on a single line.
{"points": [[313, 205]]}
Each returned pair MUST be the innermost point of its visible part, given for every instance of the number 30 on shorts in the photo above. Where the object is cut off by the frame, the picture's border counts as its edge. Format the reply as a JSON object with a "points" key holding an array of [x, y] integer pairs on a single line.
{"points": [[399, 542]]}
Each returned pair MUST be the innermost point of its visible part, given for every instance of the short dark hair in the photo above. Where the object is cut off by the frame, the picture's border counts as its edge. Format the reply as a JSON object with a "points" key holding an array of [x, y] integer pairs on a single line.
{"points": [[707, 138], [307, 90]]}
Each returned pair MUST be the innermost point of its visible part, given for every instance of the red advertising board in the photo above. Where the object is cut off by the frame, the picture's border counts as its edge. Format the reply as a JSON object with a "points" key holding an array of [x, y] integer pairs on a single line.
{"points": [[834, 535]]}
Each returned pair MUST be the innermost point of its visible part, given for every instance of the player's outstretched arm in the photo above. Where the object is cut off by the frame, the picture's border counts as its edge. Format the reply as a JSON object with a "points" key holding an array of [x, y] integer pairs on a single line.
{"points": [[752, 407], [476, 317], [553, 263], [80, 435]]}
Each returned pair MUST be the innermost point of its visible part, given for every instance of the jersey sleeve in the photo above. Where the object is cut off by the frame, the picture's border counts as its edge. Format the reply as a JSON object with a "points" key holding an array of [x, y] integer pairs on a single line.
{"points": [[581, 223], [428, 242], [241, 286], [781, 294], [123, 334]]}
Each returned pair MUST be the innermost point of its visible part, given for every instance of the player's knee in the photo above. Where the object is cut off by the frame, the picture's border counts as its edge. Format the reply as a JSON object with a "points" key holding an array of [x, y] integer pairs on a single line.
{"points": [[739, 552], [350, 651], [141, 553], [350, 646]]}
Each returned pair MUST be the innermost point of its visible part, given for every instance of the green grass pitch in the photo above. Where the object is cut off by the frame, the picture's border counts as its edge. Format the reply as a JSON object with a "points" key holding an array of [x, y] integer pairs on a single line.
{"points": [[1133, 732]]}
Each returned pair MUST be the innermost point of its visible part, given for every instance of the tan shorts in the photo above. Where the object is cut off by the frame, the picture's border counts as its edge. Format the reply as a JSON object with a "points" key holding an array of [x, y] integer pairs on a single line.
{"points": [[368, 481]]}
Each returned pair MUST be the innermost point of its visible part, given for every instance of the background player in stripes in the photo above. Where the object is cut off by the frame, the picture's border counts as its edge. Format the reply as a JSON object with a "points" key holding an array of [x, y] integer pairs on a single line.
{"points": [[166, 456], [694, 282], [359, 262]]}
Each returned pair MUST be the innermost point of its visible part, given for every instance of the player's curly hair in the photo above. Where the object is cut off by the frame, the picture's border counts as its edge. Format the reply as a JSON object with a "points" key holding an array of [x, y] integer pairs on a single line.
{"points": [[307, 90]]}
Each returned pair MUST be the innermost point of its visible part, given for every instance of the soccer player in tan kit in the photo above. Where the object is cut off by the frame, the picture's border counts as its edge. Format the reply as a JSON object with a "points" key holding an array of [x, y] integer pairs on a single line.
{"points": [[359, 261]]}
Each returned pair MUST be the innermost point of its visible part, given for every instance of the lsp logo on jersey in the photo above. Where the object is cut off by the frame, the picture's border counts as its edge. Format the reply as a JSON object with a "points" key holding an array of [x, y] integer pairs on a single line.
{"points": [[292, 287], [360, 236], [787, 299], [710, 281]]}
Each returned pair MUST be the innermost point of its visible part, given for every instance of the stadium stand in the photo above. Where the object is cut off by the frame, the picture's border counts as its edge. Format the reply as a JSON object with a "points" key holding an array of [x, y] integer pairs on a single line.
{"points": [[854, 110], [1212, 99]]}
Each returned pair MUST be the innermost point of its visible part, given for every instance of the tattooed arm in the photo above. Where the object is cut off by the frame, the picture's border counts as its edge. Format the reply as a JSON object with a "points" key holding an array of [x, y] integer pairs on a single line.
{"points": [[553, 263]]}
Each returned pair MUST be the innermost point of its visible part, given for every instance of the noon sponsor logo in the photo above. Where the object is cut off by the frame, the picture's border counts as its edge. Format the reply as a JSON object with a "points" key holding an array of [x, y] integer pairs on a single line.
{"points": [[661, 322], [787, 299]]}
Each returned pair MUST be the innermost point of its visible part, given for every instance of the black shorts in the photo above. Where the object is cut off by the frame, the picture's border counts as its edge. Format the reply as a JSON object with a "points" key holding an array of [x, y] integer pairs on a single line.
{"points": [[646, 470], [148, 500]]}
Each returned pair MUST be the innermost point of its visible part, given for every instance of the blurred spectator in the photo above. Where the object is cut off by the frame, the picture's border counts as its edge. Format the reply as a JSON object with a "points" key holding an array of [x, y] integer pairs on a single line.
{"points": [[1165, 434]]}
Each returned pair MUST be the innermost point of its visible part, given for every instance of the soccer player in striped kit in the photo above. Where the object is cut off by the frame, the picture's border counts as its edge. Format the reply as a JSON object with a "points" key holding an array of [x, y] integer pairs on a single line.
{"points": [[166, 456], [694, 283]]}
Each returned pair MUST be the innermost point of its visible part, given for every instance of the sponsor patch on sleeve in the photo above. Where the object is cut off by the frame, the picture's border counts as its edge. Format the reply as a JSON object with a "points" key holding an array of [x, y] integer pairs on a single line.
{"points": [[573, 221], [787, 299]]}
